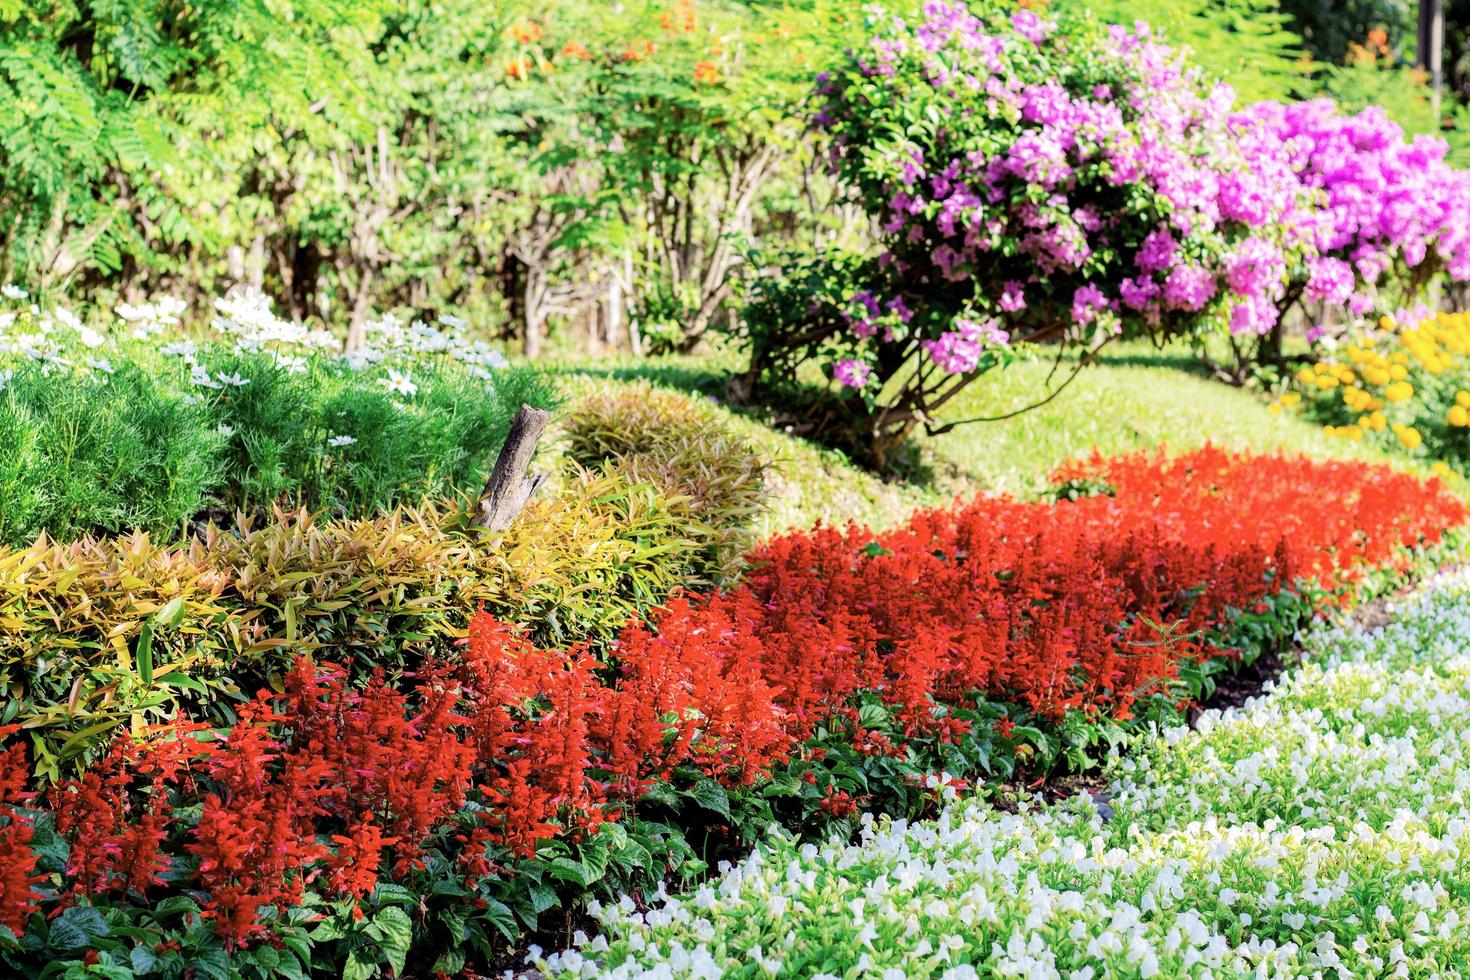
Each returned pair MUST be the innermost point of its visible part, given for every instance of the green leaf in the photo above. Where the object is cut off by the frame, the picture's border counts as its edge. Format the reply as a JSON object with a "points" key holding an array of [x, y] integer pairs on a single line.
{"points": [[327, 930], [397, 936], [142, 959], [76, 928], [450, 963], [501, 917], [711, 795], [144, 653], [566, 869], [543, 897], [358, 968]]}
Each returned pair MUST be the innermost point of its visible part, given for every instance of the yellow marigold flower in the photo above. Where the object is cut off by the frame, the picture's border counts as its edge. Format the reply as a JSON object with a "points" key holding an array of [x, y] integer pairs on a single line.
{"points": [[1399, 391], [1291, 398], [1462, 398], [1409, 436], [1442, 469], [1306, 375], [1458, 416], [1379, 421], [1398, 372], [1274, 408]]}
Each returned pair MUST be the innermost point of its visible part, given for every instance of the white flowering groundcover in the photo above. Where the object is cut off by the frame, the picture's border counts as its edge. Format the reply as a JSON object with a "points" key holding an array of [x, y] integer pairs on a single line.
{"points": [[1323, 831]]}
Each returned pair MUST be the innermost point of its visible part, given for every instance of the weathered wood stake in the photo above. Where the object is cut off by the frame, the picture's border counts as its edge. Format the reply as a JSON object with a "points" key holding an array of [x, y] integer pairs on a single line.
{"points": [[509, 487]]}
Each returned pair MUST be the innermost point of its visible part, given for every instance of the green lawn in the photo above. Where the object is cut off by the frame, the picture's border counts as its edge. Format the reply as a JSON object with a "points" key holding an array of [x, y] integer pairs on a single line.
{"points": [[1136, 398]]}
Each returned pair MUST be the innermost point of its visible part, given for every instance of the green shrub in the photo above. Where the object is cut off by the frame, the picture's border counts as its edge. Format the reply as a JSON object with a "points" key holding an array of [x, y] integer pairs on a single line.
{"points": [[108, 453], [152, 442], [666, 439], [1250, 44], [334, 439]]}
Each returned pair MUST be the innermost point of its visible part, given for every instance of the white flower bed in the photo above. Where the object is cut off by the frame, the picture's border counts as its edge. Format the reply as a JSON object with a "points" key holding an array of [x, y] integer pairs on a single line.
{"points": [[244, 321], [1322, 831]]}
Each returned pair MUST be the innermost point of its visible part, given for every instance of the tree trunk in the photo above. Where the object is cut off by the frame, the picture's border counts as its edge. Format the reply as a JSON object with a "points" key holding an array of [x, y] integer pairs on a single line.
{"points": [[509, 488]]}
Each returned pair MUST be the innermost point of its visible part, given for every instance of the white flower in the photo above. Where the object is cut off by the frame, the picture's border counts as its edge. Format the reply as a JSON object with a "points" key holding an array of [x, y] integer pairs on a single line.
{"points": [[226, 430], [100, 364], [399, 383], [12, 291], [5, 378], [336, 442], [452, 322], [199, 376], [184, 348], [233, 380], [91, 338]]}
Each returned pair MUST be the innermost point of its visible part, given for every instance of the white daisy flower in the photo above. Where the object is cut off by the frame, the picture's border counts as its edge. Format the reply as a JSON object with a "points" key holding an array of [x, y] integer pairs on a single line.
{"points": [[399, 383]]}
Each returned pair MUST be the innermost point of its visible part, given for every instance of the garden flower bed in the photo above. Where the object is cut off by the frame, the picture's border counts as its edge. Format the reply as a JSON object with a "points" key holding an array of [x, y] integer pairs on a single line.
{"points": [[354, 819], [1323, 830]]}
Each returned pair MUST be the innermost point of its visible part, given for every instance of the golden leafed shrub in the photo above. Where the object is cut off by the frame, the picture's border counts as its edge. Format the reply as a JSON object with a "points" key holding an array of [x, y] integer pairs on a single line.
{"points": [[667, 439]]}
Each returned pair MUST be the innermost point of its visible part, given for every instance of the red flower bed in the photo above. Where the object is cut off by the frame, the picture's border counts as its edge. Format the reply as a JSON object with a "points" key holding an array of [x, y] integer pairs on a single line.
{"points": [[1087, 605]]}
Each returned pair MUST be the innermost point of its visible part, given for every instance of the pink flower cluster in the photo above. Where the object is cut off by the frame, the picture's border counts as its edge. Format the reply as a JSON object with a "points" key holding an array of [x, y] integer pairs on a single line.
{"points": [[1381, 202], [1051, 175]]}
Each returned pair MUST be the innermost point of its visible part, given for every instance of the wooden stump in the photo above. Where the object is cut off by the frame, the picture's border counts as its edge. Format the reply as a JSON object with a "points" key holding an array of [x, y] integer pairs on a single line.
{"points": [[509, 486]]}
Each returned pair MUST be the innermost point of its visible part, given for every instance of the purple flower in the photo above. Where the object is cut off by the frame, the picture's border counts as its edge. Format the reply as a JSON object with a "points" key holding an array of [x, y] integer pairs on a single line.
{"points": [[1137, 294], [1330, 280], [1086, 302], [1189, 287], [1013, 296], [1030, 26], [851, 373], [1157, 251], [958, 351]]}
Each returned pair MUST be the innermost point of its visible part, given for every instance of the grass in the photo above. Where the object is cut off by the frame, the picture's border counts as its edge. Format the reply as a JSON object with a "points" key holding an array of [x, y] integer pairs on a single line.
{"points": [[1134, 398], [1138, 398]]}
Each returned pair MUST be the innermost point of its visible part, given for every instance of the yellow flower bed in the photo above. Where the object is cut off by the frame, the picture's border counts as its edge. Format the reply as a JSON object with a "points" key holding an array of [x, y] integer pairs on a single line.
{"points": [[1404, 384]]}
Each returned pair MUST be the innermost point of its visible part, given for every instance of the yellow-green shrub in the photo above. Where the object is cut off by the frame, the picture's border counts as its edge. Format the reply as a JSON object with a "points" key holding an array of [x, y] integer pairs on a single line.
{"points": [[91, 636], [671, 441]]}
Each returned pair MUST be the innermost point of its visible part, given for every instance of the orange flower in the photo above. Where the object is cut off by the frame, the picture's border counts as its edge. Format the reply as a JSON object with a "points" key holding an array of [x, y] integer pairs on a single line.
{"points": [[526, 32], [681, 18], [575, 49], [519, 68], [639, 50], [705, 73]]}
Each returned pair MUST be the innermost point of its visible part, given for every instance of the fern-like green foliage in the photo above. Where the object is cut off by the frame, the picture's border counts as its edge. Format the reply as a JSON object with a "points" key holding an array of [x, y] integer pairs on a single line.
{"points": [[78, 456], [1247, 43], [114, 114], [145, 447]]}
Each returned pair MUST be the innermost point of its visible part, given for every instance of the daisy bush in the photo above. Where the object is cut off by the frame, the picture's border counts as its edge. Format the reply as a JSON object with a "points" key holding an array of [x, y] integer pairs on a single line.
{"points": [[136, 423], [1322, 830]]}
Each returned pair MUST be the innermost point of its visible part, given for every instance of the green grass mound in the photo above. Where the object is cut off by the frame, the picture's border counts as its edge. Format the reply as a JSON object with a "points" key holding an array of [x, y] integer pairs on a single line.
{"points": [[1136, 398]]}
